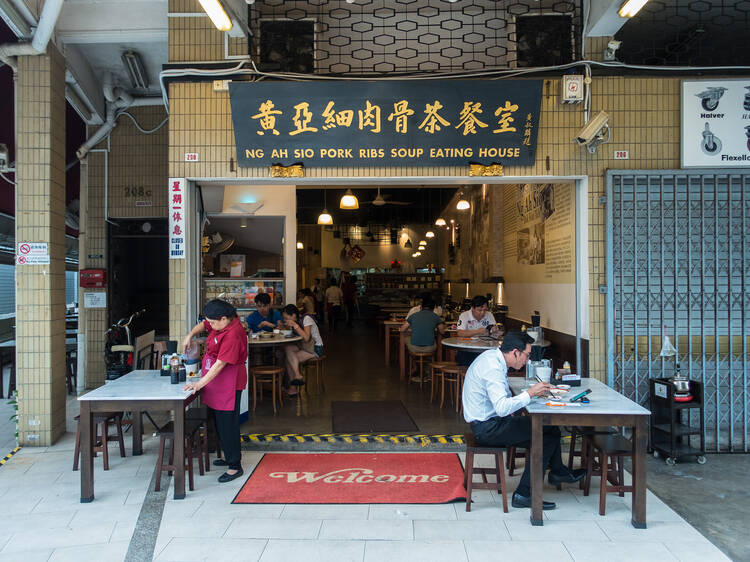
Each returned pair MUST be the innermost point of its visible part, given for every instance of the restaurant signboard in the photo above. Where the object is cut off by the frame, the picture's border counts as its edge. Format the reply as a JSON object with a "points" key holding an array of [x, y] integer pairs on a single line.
{"points": [[386, 123]]}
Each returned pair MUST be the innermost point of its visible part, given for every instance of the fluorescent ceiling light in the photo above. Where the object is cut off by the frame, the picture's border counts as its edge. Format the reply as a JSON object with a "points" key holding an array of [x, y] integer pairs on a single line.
{"points": [[15, 21], [631, 8], [325, 218], [349, 201], [440, 221], [218, 15], [136, 71]]}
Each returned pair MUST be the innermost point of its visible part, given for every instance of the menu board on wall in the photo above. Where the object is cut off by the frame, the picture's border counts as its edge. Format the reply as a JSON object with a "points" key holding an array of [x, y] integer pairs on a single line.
{"points": [[716, 123], [539, 233]]}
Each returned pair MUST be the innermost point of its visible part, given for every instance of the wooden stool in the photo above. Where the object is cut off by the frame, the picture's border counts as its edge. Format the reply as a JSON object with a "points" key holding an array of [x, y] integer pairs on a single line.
{"points": [[267, 374], [473, 449], [200, 414], [586, 433], [451, 374], [195, 441], [418, 358], [320, 371], [437, 373], [611, 450], [101, 441]]}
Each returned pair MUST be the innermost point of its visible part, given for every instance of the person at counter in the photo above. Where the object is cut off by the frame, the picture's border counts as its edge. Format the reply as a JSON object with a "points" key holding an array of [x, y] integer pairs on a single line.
{"points": [[310, 347], [265, 318], [489, 404], [334, 300], [223, 377], [476, 321]]}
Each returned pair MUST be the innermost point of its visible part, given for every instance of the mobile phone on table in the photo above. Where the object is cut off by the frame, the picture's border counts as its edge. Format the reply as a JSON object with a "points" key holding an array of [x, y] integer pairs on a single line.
{"points": [[581, 395]]}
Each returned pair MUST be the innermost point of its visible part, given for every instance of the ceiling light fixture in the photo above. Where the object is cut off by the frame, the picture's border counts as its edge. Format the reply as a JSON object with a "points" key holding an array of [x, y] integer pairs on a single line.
{"points": [[243, 222], [136, 71], [324, 217], [440, 221], [423, 242], [462, 204], [631, 8], [429, 234], [349, 201], [218, 15], [300, 246], [417, 254]]}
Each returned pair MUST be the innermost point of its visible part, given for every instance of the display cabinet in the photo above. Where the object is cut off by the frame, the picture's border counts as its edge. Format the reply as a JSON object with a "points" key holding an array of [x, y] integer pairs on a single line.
{"points": [[241, 292]]}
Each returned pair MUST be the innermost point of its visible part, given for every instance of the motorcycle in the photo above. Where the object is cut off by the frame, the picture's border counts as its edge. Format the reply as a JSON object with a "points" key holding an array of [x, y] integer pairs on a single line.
{"points": [[118, 347]]}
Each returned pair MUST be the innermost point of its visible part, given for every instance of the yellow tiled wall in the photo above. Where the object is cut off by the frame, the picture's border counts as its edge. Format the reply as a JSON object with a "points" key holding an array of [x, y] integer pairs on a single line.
{"points": [[40, 217], [136, 185], [644, 117]]}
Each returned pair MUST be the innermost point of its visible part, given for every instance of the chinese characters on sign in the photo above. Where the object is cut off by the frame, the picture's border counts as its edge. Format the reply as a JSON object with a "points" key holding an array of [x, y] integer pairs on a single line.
{"points": [[420, 123], [177, 200]]}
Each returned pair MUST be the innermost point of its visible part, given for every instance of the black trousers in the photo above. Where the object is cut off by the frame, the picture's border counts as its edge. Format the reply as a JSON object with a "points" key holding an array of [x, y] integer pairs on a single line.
{"points": [[465, 358], [516, 430], [228, 428]]}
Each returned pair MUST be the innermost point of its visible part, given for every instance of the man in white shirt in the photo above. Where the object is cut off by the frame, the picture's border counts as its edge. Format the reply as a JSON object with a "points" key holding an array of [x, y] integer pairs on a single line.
{"points": [[488, 404], [477, 321], [334, 299]]}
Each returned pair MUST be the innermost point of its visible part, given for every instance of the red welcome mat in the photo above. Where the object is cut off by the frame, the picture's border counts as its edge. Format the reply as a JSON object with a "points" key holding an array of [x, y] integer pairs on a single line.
{"points": [[355, 478]]}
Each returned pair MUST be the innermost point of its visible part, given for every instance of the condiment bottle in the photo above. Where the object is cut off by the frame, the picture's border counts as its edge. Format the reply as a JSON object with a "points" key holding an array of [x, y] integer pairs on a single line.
{"points": [[174, 367]]}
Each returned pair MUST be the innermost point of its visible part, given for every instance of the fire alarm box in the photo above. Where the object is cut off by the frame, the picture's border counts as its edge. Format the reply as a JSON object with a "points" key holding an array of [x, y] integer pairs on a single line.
{"points": [[93, 278]]}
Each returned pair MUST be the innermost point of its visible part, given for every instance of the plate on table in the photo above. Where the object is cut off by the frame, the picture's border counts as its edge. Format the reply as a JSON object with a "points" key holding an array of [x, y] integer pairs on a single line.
{"points": [[266, 335], [557, 391]]}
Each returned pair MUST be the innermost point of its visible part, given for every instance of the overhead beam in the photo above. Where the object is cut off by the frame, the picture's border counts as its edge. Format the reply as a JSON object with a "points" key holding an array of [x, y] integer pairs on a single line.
{"points": [[113, 21], [88, 85], [603, 20]]}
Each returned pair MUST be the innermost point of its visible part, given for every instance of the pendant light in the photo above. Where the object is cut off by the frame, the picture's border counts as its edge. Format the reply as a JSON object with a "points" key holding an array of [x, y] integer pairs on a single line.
{"points": [[440, 221], [349, 201], [429, 234], [423, 242], [324, 217], [462, 204]]}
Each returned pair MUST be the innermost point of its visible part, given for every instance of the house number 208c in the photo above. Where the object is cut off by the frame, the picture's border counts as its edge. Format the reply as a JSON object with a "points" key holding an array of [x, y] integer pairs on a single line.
{"points": [[137, 192]]}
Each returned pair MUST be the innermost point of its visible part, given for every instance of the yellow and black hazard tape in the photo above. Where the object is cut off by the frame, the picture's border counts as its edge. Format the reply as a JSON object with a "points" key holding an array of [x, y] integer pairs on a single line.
{"points": [[7, 457], [384, 438]]}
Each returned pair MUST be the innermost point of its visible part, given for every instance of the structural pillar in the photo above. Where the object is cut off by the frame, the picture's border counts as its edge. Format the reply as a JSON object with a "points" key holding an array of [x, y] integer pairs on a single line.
{"points": [[40, 218]]}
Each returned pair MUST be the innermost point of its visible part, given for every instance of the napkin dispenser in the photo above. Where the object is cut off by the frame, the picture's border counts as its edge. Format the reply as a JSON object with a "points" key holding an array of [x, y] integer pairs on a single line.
{"points": [[571, 379]]}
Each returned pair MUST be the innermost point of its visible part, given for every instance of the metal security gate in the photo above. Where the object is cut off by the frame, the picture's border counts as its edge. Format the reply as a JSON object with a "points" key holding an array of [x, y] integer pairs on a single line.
{"points": [[678, 264]]}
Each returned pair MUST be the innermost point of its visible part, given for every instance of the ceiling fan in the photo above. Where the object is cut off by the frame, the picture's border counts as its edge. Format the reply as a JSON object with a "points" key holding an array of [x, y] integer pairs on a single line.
{"points": [[379, 201]]}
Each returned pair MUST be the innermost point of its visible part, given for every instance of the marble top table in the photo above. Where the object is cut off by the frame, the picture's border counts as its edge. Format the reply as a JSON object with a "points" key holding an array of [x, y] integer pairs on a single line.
{"points": [[275, 339], [606, 407], [474, 343], [137, 391]]}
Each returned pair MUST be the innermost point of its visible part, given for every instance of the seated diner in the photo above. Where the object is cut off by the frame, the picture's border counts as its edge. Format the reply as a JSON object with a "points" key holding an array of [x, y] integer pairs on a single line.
{"points": [[310, 347], [476, 321], [265, 318]]}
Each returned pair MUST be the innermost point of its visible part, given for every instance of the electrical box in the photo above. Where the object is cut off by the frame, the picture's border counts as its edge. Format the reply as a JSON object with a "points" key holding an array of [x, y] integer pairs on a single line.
{"points": [[93, 278], [572, 88]]}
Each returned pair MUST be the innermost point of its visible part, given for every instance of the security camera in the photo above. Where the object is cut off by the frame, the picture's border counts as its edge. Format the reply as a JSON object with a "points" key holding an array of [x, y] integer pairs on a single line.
{"points": [[3, 158], [592, 133], [609, 52]]}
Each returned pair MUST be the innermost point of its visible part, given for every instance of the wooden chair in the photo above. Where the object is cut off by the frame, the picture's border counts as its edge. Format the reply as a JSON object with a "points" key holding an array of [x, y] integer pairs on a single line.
{"points": [[472, 448], [267, 374], [320, 371], [418, 358], [71, 365], [101, 440], [611, 450], [196, 442], [453, 375]]}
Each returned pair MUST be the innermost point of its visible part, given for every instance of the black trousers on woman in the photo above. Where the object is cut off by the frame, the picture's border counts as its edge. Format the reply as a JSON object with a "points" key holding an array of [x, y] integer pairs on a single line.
{"points": [[516, 430], [228, 428]]}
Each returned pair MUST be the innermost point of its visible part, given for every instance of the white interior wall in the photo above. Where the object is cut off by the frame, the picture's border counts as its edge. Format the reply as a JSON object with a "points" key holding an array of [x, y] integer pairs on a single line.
{"points": [[278, 201]]}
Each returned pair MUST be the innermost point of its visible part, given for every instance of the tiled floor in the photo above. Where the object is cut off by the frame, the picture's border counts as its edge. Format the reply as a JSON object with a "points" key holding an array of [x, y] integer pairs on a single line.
{"points": [[49, 523], [39, 489]]}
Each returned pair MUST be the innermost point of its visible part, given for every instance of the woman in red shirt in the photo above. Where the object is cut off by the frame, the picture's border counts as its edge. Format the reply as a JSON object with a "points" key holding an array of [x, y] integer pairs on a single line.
{"points": [[223, 377]]}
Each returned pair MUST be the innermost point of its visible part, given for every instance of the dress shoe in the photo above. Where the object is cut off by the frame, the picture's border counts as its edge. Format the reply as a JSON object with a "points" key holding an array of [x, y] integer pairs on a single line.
{"points": [[525, 501], [226, 477], [569, 477], [220, 462]]}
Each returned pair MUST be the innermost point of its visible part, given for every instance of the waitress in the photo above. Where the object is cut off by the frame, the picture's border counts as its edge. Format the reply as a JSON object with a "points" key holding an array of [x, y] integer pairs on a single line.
{"points": [[223, 377]]}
